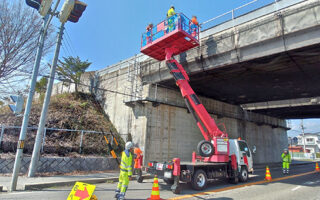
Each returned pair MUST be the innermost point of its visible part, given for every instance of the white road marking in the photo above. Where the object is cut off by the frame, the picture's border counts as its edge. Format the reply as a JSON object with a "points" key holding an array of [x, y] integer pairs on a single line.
{"points": [[309, 183], [15, 193], [296, 188]]}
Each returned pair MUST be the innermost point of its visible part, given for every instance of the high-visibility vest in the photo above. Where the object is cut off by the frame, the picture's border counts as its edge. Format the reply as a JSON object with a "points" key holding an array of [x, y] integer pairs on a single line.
{"points": [[126, 163], [286, 157], [138, 159], [171, 12]]}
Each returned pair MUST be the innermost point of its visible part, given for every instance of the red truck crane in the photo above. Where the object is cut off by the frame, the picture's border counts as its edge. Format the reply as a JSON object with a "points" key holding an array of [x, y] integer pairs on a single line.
{"points": [[220, 157]]}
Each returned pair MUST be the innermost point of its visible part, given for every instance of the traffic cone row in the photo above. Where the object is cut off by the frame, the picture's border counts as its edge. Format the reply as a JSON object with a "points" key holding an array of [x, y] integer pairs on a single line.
{"points": [[268, 174], [155, 194], [317, 167]]}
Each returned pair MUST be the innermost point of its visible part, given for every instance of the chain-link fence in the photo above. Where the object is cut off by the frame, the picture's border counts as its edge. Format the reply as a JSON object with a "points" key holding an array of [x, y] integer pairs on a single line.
{"points": [[61, 142]]}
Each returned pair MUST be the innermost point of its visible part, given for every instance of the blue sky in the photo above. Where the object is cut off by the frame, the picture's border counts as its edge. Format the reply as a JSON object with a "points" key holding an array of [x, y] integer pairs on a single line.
{"points": [[110, 31]]}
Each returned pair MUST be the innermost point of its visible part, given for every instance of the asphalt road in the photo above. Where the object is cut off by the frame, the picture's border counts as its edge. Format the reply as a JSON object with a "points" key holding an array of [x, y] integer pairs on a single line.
{"points": [[301, 184]]}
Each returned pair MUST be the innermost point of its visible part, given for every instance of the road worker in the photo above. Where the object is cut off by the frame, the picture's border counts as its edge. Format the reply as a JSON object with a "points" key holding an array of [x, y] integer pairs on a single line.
{"points": [[138, 164], [125, 171], [286, 160], [171, 11]]}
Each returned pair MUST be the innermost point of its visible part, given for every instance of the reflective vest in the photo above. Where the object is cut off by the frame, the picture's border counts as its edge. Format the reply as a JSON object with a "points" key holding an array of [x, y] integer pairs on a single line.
{"points": [[286, 157], [126, 163], [138, 159], [170, 12]]}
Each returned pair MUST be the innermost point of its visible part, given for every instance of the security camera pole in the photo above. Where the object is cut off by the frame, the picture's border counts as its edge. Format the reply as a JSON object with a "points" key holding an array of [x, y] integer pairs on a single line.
{"points": [[19, 154], [71, 11]]}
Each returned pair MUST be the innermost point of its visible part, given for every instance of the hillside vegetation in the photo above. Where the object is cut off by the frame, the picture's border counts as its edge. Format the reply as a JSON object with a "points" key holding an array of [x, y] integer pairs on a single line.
{"points": [[66, 111]]}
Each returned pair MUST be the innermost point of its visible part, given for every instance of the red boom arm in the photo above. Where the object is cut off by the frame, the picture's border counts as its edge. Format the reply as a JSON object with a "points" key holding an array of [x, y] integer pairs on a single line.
{"points": [[193, 103]]}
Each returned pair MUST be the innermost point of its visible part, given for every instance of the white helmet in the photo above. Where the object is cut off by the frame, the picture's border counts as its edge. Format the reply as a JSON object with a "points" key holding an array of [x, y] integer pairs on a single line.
{"points": [[129, 145]]}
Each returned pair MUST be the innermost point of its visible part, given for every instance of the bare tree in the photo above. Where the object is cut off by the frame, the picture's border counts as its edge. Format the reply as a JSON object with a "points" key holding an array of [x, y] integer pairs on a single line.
{"points": [[19, 34]]}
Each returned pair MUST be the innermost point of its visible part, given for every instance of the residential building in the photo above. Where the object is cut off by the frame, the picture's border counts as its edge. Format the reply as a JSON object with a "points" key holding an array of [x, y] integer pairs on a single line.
{"points": [[311, 142]]}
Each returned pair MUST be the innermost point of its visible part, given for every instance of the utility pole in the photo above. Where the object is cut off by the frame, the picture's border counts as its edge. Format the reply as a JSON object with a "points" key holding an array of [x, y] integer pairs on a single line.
{"points": [[304, 142], [42, 122], [25, 121], [19, 154], [71, 11]]}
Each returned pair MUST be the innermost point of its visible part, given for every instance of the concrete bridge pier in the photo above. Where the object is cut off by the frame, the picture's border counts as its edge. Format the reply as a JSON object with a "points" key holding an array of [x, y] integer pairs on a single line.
{"points": [[168, 130]]}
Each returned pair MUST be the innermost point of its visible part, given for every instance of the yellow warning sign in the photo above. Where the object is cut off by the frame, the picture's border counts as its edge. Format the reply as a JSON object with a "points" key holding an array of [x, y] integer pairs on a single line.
{"points": [[81, 191]]}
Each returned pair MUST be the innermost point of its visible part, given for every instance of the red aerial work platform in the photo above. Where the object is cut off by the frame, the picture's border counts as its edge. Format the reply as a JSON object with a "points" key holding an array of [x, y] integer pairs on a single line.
{"points": [[176, 32], [171, 37]]}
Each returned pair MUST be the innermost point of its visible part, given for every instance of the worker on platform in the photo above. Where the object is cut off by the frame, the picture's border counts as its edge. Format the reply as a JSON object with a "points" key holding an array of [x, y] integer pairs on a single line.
{"points": [[149, 33], [194, 24], [286, 160], [171, 11], [171, 18], [138, 164], [125, 171]]}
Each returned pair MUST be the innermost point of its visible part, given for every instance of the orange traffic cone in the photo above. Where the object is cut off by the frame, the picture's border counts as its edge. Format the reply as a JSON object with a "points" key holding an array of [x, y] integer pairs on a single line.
{"points": [[317, 167], [155, 194], [268, 175]]}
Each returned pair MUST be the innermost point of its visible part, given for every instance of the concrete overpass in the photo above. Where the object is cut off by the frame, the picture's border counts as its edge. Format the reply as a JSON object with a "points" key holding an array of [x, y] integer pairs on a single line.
{"points": [[269, 55]]}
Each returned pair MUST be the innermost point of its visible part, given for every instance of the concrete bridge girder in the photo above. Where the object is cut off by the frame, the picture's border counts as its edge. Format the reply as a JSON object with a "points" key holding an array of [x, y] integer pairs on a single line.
{"points": [[281, 45]]}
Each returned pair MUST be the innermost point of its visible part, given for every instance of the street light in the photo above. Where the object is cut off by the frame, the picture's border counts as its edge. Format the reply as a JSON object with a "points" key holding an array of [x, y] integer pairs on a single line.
{"points": [[43, 6], [66, 10], [71, 11]]}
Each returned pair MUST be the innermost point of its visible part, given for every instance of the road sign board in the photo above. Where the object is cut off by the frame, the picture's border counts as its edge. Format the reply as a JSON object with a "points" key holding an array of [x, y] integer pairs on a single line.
{"points": [[81, 191]]}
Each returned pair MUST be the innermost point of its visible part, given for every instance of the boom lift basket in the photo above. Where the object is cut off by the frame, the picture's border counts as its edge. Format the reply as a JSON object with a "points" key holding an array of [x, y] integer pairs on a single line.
{"points": [[176, 32]]}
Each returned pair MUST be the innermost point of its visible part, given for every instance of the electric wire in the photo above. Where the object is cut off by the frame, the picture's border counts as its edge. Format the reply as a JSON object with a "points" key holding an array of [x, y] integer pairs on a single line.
{"points": [[70, 41]]}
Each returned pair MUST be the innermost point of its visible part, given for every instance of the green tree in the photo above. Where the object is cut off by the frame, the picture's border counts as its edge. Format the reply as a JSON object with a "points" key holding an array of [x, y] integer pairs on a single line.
{"points": [[71, 69], [41, 87]]}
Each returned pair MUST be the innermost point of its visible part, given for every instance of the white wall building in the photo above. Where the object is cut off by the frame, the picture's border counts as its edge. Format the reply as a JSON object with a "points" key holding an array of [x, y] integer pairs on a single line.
{"points": [[311, 141]]}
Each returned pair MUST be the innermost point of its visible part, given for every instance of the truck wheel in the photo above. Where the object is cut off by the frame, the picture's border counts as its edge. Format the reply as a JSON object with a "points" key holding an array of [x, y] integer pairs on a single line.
{"points": [[243, 176], [199, 180], [168, 181], [205, 148]]}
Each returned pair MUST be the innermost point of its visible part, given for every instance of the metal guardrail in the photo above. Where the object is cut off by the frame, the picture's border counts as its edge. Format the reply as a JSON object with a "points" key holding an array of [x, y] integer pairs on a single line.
{"points": [[3, 127], [231, 11], [232, 20]]}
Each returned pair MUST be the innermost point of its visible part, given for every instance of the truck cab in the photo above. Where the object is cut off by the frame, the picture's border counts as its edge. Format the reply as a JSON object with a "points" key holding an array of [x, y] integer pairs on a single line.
{"points": [[240, 149]]}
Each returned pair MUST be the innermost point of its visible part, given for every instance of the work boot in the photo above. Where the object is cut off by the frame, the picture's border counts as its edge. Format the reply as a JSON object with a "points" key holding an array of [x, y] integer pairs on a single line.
{"points": [[284, 171], [287, 171], [121, 197], [117, 194]]}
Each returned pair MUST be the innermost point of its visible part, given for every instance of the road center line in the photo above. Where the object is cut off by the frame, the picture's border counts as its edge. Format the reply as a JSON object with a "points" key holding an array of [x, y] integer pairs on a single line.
{"points": [[240, 186], [296, 188]]}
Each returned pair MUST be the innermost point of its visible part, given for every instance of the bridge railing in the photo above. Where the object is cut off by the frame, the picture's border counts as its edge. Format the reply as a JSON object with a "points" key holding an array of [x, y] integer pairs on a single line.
{"points": [[249, 11]]}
